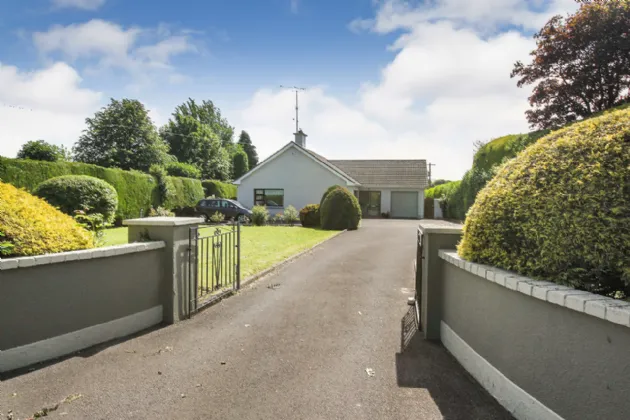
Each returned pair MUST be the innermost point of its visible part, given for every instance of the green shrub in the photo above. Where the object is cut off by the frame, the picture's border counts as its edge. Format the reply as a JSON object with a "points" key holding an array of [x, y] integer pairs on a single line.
{"points": [[184, 170], [160, 212], [94, 223], [291, 215], [561, 209], [219, 189], [340, 210], [260, 215], [70, 193], [217, 217], [309, 216], [165, 193], [31, 226], [135, 189], [278, 218], [328, 191]]}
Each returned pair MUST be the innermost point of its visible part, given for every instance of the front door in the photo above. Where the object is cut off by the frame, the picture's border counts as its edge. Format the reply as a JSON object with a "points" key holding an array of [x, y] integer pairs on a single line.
{"points": [[370, 202]]}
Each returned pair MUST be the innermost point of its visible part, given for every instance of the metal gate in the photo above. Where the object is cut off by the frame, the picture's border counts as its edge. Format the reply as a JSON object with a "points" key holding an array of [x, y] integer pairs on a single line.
{"points": [[419, 264], [214, 264]]}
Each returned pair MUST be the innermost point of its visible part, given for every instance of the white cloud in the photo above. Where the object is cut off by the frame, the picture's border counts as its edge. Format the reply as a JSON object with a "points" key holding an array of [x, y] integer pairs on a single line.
{"points": [[111, 45], [79, 4], [447, 86], [46, 104]]}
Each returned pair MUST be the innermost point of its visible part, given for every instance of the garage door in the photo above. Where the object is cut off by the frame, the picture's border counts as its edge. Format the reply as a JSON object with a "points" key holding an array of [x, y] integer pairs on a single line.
{"points": [[405, 204]]}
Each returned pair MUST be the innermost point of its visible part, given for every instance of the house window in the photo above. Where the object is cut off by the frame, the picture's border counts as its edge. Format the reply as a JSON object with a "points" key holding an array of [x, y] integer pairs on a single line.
{"points": [[269, 197]]}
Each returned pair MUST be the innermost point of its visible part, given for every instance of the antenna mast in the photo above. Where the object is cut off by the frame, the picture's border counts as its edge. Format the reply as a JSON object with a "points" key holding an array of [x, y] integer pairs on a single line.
{"points": [[297, 104]]}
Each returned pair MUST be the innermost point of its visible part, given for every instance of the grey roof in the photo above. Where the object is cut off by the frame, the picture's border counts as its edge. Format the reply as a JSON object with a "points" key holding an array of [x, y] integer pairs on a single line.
{"points": [[390, 173]]}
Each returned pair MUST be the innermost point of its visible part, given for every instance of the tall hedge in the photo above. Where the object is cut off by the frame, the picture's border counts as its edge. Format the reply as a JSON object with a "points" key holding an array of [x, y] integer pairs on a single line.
{"points": [[136, 190], [219, 189], [561, 209], [187, 193]]}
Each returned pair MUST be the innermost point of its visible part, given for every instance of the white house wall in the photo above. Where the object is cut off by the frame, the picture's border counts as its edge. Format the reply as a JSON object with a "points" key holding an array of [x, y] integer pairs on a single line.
{"points": [[302, 179]]}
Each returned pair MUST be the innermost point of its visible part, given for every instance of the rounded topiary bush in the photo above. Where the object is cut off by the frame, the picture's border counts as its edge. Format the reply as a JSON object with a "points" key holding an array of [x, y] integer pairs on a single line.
{"points": [[309, 215], [340, 210], [560, 210], [328, 191], [70, 193], [31, 226]]}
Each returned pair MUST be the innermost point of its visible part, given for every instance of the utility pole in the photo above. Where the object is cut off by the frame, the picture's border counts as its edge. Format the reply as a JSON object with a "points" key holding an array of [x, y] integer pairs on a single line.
{"points": [[297, 106], [430, 166]]}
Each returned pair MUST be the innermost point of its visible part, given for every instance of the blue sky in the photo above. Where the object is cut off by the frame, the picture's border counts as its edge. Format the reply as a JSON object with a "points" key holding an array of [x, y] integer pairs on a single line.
{"points": [[385, 78]]}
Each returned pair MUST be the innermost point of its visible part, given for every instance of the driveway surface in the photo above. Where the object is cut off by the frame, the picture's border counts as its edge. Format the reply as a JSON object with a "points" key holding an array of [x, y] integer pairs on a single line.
{"points": [[294, 345]]}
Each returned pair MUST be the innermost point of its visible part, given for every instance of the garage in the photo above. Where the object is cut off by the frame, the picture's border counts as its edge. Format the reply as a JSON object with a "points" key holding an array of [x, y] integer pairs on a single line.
{"points": [[405, 204]]}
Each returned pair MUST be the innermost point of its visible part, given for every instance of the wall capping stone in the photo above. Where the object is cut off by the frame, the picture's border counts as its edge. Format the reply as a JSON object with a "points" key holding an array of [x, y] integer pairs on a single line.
{"points": [[608, 309], [85, 254], [440, 226], [164, 221]]}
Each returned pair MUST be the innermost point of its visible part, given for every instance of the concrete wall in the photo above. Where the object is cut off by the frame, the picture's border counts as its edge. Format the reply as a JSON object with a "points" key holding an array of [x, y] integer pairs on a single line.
{"points": [[304, 180], [544, 351], [52, 305]]}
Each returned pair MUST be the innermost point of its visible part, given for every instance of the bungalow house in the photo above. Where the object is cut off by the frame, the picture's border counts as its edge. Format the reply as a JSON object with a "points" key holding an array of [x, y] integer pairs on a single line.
{"points": [[297, 176]]}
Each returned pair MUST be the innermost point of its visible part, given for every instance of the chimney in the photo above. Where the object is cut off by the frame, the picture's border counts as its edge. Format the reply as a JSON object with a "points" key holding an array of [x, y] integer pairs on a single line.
{"points": [[300, 138]]}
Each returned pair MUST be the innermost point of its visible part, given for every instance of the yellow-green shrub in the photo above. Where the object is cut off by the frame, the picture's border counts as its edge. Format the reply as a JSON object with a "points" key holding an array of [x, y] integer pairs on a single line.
{"points": [[34, 227], [561, 209]]}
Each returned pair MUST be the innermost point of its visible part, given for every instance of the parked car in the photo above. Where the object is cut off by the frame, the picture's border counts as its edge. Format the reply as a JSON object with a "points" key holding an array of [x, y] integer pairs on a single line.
{"points": [[231, 209]]}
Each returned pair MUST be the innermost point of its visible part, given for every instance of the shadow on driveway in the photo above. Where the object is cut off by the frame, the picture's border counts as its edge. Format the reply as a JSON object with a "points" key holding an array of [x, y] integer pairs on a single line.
{"points": [[425, 364]]}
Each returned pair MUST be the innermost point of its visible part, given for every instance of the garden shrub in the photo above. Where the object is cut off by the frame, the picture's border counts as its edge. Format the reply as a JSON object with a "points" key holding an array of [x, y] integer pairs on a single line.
{"points": [[31, 226], [184, 170], [561, 209], [219, 189], [291, 215], [260, 215], [160, 212], [309, 215], [70, 193], [278, 218], [340, 210], [328, 191], [217, 217], [165, 193], [135, 189]]}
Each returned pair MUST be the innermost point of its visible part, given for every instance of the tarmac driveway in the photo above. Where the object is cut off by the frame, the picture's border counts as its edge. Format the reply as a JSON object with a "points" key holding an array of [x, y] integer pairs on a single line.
{"points": [[296, 345]]}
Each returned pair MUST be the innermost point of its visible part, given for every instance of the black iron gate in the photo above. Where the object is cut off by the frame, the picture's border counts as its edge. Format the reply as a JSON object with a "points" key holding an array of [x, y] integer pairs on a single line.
{"points": [[214, 264], [419, 264]]}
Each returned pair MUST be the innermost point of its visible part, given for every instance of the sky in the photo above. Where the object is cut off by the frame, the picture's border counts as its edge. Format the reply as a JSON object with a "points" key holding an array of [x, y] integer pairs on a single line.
{"points": [[383, 79]]}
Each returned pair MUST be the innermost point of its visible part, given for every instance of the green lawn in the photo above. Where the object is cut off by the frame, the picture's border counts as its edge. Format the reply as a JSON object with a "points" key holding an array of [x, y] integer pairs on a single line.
{"points": [[261, 247]]}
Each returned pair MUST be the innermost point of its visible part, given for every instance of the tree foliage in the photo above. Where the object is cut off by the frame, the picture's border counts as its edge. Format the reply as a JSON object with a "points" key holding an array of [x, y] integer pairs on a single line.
{"points": [[209, 114], [581, 64], [240, 164], [246, 143], [121, 135], [41, 150], [194, 142]]}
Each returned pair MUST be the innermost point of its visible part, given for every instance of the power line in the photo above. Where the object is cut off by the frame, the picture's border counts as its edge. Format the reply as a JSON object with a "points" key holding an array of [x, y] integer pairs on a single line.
{"points": [[297, 107]]}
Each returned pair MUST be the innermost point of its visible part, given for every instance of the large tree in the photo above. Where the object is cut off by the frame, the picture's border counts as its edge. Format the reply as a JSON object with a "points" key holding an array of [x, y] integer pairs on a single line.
{"points": [[121, 135], [246, 143], [193, 142], [240, 164], [41, 150], [581, 64], [209, 114]]}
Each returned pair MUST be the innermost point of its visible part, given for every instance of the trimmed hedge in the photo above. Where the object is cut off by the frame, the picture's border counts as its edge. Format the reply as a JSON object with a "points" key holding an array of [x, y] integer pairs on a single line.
{"points": [[340, 210], [136, 190], [70, 193], [219, 189], [184, 170], [187, 193], [561, 209], [31, 226], [309, 215]]}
